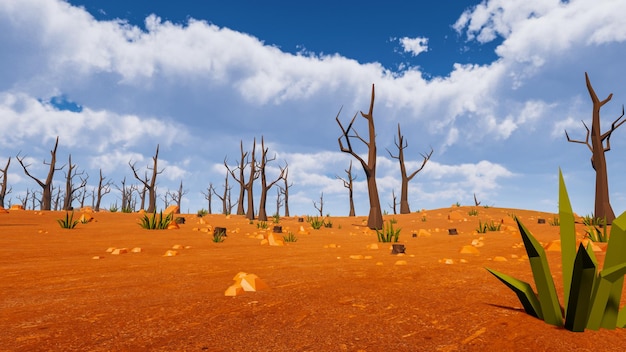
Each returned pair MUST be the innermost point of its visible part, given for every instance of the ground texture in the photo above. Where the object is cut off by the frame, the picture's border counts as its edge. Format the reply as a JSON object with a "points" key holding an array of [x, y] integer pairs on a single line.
{"points": [[329, 291]]}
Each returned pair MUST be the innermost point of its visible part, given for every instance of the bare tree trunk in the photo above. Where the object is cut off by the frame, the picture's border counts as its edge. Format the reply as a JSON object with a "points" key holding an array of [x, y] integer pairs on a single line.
{"points": [[375, 217], [285, 190], [150, 184], [404, 192], [249, 185], [264, 185], [3, 186], [70, 188], [603, 207], [320, 208], [240, 179], [349, 184], [209, 195], [279, 200], [103, 188], [178, 196], [46, 186]]}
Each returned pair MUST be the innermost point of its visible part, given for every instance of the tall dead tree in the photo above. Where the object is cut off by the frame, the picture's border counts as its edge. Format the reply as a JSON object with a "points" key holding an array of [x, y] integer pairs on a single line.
{"points": [[177, 196], [3, 187], [375, 218], [127, 196], [46, 186], [279, 200], [320, 208], [253, 175], [265, 187], [70, 187], [209, 196], [349, 183], [24, 201], [404, 192], [225, 197], [603, 207], [103, 188], [284, 190], [240, 179], [149, 184], [395, 202]]}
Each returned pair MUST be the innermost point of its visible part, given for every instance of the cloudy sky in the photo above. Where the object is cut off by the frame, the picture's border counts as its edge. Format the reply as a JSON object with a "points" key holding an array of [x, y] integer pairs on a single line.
{"points": [[490, 86]]}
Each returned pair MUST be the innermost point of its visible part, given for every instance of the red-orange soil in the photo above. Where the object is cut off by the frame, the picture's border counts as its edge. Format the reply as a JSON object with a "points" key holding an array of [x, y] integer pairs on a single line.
{"points": [[55, 297]]}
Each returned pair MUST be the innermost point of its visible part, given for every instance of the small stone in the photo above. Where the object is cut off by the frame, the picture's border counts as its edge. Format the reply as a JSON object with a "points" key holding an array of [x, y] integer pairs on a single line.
{"points": [[469, 250], [234, 290], [499, 259], [170, 253], [119, 251], [110, 249], [401, 262], [177, 246], [372, 246], [423, 233], [97, 257], [357, 257], [136, 250]]}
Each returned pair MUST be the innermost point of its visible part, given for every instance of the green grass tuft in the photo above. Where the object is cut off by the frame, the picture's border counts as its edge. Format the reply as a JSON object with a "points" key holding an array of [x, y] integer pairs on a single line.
{"points": [[68, 222]]}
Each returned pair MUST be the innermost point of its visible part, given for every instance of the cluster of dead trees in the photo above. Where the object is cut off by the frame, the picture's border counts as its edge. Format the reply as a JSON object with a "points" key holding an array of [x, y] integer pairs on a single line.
{"points": [[50, 197], [348, 134], [245, 173]]}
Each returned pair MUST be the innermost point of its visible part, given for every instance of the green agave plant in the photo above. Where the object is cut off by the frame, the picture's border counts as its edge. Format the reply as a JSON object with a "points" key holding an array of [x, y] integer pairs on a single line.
{"points": [[591, 296], [388, 233], [153, 222], [68, 222]]}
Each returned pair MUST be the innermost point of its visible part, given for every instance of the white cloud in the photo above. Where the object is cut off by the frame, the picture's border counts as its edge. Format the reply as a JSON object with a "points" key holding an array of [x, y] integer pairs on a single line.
{"points": [[414, 46]]}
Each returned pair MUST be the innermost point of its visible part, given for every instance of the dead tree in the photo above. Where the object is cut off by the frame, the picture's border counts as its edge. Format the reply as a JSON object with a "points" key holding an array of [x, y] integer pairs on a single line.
{"points": [[285, 190], [279, 200], [240, 179], [3, 187], [178, 195], [225, 196], [209, 196], [349, 183], [24, 201], [476, 202], [265, 187], [127, 197], [149, 184], [253, 175], [46, 186], [320, 208], [375, 218], [395, 202], [603, 209], [103, 188], [70, 187], [57, 199], [401, 144]]}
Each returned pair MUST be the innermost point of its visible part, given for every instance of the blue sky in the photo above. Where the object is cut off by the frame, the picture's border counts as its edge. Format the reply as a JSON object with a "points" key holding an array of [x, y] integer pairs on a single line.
{"points": [[489, 85]]}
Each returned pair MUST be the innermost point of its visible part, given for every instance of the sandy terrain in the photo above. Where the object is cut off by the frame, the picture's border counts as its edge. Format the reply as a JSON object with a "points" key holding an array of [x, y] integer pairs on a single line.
{"points": [[328, 291]]}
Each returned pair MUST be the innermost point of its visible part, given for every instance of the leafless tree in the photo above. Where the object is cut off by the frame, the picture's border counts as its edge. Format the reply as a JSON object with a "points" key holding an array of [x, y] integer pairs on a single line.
{"points": [[70, 187], [34, 200], [178, 195], [57, 198], [209, 196], [284, 190], [149, 184], [320, 207], [127, 196], [279, 200], [46, 186], [103, 188], [166, 199], [3, 187], [265, 187], [349, 184], [225, 196], [375, 218], [476, 202], [241, 178], [404, 192], [395, 202], [24, 201], [603, 207]]}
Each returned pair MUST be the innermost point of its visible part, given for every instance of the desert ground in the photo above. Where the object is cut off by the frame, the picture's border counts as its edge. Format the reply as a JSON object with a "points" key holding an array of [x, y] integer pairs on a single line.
{"points": [[63, 290]]}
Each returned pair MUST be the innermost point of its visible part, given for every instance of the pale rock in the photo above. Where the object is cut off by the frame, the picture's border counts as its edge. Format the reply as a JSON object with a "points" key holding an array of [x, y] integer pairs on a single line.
{"points": [[468, 249], [252, 283], [423, 233], [553, 246], [499, 259], [400, 262], [372, 246], [110, 249], [356, 256], [234, 290], [136, 250], [172, 209], [119, 251], [170, 253]]}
